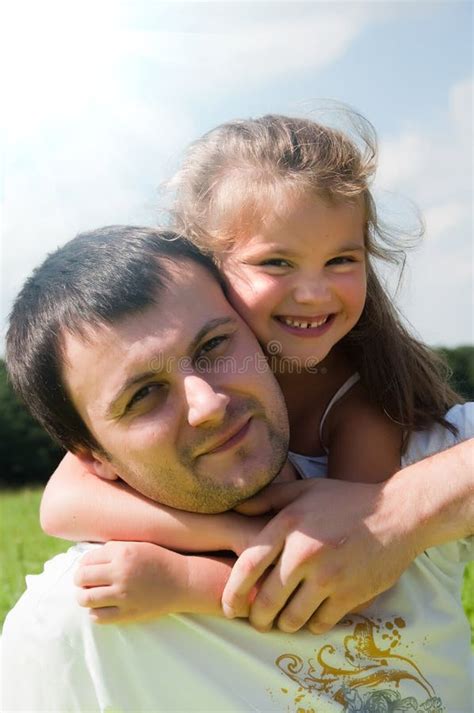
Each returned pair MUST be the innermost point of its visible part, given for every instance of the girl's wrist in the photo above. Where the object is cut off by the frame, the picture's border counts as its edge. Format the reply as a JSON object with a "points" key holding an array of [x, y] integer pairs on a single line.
{"points": [[173, 581], [206, 578]]}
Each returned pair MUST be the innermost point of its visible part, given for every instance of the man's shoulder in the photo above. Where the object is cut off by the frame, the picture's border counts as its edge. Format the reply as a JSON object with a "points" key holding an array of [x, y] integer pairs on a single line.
{"points": [[48, 606], [43, 663]]}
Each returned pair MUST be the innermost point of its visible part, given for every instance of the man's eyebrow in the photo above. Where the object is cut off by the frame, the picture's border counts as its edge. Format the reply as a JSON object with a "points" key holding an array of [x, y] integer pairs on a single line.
{"points": [[152, 373]]}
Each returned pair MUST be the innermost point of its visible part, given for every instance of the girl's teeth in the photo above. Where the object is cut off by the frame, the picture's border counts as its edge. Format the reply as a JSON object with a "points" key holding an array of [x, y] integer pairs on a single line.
{"points": [[304, 325]]}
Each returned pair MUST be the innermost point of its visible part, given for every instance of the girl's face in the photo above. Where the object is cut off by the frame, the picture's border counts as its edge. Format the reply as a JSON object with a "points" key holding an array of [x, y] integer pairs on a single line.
{"points": [[299, 278]]}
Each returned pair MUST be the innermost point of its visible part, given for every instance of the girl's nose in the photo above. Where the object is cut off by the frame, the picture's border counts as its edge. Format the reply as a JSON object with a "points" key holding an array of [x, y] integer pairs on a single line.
{"points": [[205, 405], [311, 290]]}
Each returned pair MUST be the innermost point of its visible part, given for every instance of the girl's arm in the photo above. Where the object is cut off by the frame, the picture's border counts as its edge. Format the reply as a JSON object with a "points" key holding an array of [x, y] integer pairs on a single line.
{"points": [[364, 445], [134, 581], [78, 505]]}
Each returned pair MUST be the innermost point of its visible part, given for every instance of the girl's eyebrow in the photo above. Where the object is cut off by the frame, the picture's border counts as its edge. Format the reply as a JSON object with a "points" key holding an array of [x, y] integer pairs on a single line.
{"points": [[267, 248], [351, 247]]}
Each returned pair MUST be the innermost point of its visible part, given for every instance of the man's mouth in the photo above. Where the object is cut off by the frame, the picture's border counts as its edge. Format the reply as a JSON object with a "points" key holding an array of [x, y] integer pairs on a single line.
{"points": [[230, 439]]}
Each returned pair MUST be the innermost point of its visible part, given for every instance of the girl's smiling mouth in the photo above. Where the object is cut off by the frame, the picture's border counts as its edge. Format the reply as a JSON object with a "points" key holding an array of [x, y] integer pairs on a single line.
{"points": [[305, 326]]}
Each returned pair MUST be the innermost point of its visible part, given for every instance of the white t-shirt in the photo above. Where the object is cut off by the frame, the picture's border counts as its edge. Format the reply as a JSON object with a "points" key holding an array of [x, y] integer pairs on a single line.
{"points": [[409, 651]]}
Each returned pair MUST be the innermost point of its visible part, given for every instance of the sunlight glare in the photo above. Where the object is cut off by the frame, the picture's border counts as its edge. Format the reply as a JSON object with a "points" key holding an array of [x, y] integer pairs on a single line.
{"points": [[61, 57]]}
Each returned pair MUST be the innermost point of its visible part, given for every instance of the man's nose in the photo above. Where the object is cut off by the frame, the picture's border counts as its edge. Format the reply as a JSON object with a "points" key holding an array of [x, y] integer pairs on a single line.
{"points": [[205, 405], [312, 289]]}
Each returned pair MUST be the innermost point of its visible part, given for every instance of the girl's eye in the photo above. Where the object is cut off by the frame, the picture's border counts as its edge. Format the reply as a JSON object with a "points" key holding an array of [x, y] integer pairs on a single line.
{"points": [[142, 394], [275, 262], [341, 260], [212, 344]]}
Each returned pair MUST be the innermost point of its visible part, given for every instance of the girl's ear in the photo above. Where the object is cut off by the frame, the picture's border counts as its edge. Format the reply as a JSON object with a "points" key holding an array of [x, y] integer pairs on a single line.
{"points": [[97, 465]]}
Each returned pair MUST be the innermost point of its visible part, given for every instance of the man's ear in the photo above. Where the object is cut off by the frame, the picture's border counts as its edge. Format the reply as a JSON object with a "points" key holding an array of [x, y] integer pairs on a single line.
{"points": [[97, 464]]}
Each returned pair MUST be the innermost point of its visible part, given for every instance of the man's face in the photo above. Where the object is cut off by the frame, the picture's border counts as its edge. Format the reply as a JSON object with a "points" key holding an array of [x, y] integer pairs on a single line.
{"points": [[180, 398]]}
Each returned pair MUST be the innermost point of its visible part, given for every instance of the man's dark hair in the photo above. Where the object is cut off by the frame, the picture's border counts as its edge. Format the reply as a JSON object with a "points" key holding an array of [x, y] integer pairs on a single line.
{"points": [[97, 278]]}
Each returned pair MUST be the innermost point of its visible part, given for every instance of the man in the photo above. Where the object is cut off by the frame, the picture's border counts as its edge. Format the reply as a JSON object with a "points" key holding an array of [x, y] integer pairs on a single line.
{"points": [[116, 323]]}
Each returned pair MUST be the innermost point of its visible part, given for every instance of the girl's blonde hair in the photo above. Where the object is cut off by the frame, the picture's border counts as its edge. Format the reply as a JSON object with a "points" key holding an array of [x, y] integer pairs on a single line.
{"points": [[235, 169]]}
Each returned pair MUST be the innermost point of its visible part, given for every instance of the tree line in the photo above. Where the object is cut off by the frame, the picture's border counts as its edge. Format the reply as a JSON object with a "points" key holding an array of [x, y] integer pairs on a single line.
{"points": [[28, 455]]}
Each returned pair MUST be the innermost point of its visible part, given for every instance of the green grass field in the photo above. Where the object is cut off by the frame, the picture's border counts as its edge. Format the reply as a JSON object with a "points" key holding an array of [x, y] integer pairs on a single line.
{"points": [[24, 549]]}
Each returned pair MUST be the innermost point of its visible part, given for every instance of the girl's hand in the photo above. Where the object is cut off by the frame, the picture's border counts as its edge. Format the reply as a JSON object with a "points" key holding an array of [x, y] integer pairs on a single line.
{"points": [[131, 581], [332, 547]]}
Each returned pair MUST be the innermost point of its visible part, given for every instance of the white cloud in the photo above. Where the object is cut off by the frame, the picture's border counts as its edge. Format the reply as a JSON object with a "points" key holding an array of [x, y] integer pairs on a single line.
{"points": [[401, 159], [69, 57], [432, 163], [445, 218], [434, 168], [249, 50], [96, 108], [96, 172], [461, 105]]}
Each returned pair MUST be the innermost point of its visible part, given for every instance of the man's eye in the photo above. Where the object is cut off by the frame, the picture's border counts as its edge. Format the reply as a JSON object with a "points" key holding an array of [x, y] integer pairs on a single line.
{"points": [[142, 394], [212, 344]]}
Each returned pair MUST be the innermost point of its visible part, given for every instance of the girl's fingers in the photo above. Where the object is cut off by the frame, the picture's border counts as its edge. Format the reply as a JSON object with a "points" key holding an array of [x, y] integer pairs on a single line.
{"points": [[96, 597], [99, 555], [93, 575], [246, 572], [301, 607]]}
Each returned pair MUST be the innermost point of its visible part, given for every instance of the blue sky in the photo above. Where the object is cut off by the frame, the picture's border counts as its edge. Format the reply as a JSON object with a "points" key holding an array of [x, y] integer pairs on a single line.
{"points": [[103, 96]]}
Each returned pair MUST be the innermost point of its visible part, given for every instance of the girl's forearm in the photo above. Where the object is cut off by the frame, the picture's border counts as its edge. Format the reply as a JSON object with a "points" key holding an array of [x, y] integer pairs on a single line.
{"points": [[207, 577], [78, 505], [140, 580]]}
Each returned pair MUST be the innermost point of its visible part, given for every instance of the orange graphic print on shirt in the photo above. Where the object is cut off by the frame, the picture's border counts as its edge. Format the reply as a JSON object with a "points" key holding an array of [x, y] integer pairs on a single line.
{"points": [[364, 675]]}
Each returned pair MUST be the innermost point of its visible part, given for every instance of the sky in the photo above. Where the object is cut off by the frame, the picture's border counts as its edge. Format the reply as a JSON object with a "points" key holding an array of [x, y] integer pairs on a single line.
{"points": [[101, 97]]}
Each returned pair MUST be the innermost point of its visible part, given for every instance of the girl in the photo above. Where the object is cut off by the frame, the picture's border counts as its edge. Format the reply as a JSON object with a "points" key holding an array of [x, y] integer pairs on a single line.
{"points": [[284, 207]]}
